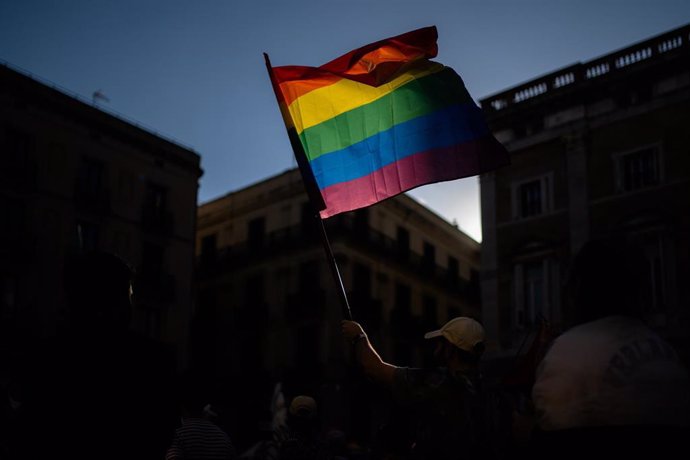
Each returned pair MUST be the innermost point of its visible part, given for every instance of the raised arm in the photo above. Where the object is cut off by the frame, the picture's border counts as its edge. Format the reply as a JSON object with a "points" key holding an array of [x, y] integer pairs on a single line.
{"points": [[370, 361]]}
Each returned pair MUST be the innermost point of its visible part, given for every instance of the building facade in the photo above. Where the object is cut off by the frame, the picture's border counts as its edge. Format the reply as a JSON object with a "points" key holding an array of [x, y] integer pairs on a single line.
{"points": [[75, 178], [599, 149], [268, 303]]}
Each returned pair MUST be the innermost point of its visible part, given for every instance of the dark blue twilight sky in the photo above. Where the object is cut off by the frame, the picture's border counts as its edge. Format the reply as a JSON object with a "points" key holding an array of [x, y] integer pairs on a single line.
{"points": [[193, 70]]}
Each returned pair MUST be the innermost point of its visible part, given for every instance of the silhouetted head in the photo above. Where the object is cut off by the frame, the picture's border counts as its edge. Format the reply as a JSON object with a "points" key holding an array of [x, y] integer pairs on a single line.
{"points": [[302, 415], [459, 343], [303, 407], [608, 277], [98, 289]]}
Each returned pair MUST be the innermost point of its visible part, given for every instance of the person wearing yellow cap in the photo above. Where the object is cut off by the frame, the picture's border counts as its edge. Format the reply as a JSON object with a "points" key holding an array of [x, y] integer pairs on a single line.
{"points": [[443, 402], [300, 438]]}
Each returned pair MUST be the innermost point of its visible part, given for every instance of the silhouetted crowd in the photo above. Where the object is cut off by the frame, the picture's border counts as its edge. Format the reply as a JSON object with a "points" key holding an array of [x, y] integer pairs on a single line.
{"points": [[608, 386]]}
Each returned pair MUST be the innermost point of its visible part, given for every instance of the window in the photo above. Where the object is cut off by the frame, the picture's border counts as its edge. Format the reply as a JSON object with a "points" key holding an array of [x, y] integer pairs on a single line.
{"points": [[637, 170], [532, 197], [90, 177], [652, 244], [401, 313], [531, 291], [90, 189], [429, 257], [87, 236], [429, 313], [155, 200], [155, 215], [256, 232], [429, 322], [453, 269]]}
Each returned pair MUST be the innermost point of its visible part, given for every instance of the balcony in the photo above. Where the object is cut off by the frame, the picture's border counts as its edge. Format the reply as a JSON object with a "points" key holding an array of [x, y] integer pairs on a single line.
{"points": [[655, 50], [340, 229]]}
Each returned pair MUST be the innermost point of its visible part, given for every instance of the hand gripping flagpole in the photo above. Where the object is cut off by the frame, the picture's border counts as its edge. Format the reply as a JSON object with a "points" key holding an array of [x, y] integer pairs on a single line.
{"points": [[313, 192]]}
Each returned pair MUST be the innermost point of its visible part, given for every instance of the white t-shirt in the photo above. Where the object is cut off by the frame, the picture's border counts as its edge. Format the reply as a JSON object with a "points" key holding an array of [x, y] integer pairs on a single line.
{"points": [[613, 371]]}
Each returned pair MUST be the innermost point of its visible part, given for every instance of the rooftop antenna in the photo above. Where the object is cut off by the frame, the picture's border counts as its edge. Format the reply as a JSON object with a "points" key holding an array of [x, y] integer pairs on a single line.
{"points": [[98, 95]]}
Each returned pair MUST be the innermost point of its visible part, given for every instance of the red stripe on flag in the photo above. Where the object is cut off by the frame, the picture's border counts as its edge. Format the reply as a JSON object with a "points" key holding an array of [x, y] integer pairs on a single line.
{"points": [[372, 64], [377, 62]]}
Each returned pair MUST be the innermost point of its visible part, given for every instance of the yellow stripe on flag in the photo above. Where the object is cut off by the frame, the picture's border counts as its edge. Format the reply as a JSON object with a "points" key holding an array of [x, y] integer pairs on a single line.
{"points": [[330, 101]]}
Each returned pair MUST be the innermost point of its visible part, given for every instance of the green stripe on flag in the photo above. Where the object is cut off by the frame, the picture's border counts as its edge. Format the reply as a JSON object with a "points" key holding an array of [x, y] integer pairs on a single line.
{"points": [[417, 98]]}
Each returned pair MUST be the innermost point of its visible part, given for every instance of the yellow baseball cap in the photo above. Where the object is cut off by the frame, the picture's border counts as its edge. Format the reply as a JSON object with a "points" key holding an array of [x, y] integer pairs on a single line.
{"points": [[303, 407], [462, 332]]}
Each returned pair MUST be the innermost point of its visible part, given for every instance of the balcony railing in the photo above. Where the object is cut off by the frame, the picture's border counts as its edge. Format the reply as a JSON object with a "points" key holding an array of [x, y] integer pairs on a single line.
{"points": [[341, 228], [649, 50]]}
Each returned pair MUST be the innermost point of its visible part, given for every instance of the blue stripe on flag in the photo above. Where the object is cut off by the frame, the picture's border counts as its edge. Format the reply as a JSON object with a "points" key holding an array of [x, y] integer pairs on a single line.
{"points": [[452, 125]]}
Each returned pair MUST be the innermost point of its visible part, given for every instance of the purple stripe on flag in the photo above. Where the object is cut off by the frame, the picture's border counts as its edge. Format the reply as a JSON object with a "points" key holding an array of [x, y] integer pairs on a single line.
{"points": [[435, 165]]}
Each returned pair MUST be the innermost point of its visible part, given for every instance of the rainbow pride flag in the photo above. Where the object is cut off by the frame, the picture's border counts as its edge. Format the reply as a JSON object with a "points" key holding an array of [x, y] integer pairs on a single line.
{"points": [[383, 119]]}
